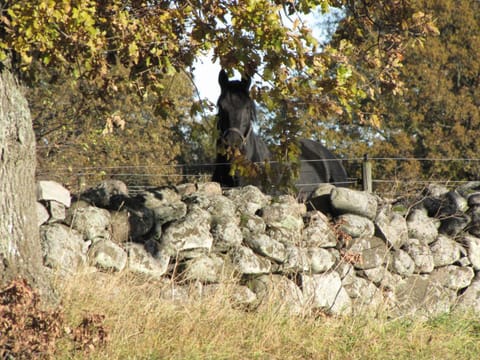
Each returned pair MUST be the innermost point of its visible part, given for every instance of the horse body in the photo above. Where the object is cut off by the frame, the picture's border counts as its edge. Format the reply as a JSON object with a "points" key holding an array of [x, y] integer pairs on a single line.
{"points": [[235, 120]]}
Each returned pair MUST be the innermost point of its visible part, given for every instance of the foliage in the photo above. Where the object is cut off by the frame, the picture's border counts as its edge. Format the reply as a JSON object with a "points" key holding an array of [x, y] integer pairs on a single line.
{"points": [[30, 332], [437, 114], [117, 48]]}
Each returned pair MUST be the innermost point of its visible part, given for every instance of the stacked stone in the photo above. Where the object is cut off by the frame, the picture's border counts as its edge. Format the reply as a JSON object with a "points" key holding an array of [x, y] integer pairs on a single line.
{"points": [[359, 253]]}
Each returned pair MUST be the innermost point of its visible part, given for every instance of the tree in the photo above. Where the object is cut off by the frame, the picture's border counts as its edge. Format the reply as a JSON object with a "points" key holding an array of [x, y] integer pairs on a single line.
{"points": [[20, 252]]}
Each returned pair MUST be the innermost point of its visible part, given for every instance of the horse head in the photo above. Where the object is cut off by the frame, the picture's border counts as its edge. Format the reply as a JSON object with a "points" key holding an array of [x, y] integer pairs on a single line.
{"points": [[236, 111]]}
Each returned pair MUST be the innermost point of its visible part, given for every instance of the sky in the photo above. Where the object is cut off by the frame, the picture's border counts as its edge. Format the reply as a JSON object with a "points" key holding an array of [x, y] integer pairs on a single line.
{"points": [[206, 72]]}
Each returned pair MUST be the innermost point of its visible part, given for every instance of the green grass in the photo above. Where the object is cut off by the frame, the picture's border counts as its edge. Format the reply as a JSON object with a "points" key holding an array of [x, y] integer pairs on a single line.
{"points": [[143, 326]]}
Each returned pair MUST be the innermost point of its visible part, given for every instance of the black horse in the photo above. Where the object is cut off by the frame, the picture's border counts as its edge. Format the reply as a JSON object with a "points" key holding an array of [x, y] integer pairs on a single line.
{"points": [[236, 114]]}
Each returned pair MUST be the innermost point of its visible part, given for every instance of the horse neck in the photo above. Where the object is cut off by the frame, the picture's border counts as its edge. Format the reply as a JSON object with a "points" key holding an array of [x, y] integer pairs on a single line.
{"points": [[256, 149]]}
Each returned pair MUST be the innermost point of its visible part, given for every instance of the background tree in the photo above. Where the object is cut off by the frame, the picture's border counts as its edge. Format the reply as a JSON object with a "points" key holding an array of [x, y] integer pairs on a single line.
{"points": [[434, 114]]}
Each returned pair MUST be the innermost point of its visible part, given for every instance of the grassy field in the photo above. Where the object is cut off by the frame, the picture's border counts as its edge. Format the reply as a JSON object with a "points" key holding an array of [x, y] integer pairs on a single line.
{"points": [[140, 325]]}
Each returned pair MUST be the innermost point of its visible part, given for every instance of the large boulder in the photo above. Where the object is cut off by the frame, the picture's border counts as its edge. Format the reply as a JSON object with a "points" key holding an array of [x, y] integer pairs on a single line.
{"points": [[392, 227], [422, 227], [106, 255], [141, 261], [373, 252], [191, 232], [246, 262], [348, 201], [92, 222], [421, 255], [64, 249], [445, 251], [355, 225], [325, 292]]}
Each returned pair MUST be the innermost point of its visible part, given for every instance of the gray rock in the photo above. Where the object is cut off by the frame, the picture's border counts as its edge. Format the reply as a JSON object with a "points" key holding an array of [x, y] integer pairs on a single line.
{"points": [[365, 295], [320, 260], [107, 255], [51, 190], [373, 252], [453, 277], [92, 222], [222, 209], [42, 214], [63, 248], [57, 211], [169, 212], [209, 188], [140, 261], [248, 199], [421, 255], [401, 263], [265, 246], [474, 225], [318, 231], [102, 194], [392, 227], [297, 260], [381, 277], [355, 225], [191, 232], [278, 291], [252, 225], [226, 235], [470, 299], [243, 297], [422, 227], [445, 251], [325, 292], [206, 269], [286, 216], [247, 262], [472, 244], [361, 203], [418, 295]]}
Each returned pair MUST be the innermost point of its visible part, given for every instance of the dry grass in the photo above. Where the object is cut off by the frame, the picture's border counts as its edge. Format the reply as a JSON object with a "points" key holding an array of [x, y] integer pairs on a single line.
{"points": [[141, 325]]}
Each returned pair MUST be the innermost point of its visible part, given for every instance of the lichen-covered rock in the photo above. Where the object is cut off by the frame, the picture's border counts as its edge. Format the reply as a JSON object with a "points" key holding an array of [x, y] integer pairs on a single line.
{"points": [[373, 252], [247, 262], [318, 231], [392, 227], [92, 222], [191, 232], [107, 255], [421, 255], [422, 227], [120, 226], [206, 269], [102, 194], [418, 295], [226, 235], [355, 225], [320, 260], [265, 246], [453, 277], [297, 260], [348, 201], [364, 294], [401, 263], [249, 199], [445, 251], [285, 216], [141, 261], [453, 225], [325, 292], [63, 248], [279, 291]]}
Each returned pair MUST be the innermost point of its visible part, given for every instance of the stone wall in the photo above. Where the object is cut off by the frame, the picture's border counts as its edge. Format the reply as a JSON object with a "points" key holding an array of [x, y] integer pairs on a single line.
{"points": [[346, 251]]}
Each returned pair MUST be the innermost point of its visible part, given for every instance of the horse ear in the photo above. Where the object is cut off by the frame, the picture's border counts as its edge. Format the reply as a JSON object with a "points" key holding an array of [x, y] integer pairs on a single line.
{"points": [[246, 82], [223, 79]]}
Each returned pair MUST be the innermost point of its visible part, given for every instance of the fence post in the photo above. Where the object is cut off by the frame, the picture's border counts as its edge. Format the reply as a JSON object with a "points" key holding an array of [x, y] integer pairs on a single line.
{"points": [[367, 174]]}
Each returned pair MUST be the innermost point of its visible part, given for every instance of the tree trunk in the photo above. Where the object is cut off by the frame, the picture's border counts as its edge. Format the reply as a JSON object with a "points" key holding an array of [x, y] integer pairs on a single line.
{"points": [[20, 250]]}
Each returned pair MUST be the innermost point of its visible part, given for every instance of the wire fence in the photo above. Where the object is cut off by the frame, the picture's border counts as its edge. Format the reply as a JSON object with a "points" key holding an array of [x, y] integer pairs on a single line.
{"points": [[139, 178]]}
